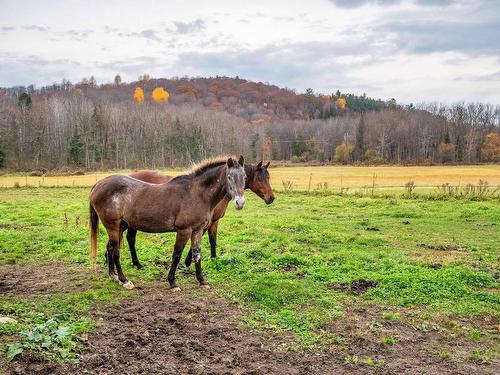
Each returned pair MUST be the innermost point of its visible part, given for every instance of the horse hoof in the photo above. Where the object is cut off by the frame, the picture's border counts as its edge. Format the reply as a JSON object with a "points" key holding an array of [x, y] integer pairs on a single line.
{"points": [[128, 285], [139, 266], [205, 286], [175, 289]]}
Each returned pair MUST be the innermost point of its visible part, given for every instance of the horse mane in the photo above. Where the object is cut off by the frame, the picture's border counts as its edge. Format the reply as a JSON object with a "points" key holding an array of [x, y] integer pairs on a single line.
{"points": [[206, 165], [202, 167]]}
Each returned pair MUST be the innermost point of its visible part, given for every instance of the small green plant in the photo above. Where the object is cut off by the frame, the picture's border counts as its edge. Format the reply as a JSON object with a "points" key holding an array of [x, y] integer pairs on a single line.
{"points": [[387, 341], [391, 316], [55, 337], [444, 355], [481, 356], [351, 359], [371, 362]]}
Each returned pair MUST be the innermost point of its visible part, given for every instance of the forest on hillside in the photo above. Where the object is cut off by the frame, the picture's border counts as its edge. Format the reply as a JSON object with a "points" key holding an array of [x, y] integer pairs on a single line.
{"points": [[158, 123]]}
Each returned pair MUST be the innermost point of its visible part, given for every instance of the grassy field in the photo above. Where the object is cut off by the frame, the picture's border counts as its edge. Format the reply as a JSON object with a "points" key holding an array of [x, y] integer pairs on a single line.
{"points": [[293, 266], [390, 178]]}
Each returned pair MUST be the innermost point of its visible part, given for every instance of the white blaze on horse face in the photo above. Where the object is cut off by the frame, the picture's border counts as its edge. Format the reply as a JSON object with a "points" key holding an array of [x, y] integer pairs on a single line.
{"points": [[239, 202], [236, 186]]}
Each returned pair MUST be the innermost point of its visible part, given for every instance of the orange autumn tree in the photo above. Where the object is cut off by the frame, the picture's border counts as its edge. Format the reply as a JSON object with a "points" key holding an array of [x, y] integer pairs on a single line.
{"points": [[139, 95], [491, 148], [341, 103], [159, 95]]}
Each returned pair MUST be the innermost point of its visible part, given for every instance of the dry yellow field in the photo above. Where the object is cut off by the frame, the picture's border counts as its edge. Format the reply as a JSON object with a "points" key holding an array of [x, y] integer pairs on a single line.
{"points": [[303, 177]]}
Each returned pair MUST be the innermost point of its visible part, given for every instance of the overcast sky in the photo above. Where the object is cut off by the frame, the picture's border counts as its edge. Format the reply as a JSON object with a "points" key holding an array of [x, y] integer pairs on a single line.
{"points": [[414, 51]]}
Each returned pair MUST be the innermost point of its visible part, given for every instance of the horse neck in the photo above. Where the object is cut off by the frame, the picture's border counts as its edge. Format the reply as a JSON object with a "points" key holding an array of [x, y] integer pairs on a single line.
{"points": [[249, 171], [214, 182]]}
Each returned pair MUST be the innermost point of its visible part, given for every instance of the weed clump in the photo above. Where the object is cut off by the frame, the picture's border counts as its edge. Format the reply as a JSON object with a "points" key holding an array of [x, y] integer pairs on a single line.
{"points": [[56, 338]]}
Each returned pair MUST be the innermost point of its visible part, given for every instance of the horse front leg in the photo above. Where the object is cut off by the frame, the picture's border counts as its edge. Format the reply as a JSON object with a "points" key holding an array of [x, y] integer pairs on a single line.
{"points": [[212, 236], [180, 242], [196, 247]]}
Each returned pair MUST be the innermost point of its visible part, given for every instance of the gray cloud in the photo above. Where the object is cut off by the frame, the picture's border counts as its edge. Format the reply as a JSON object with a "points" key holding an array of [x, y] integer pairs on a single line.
{"points": [[298, 65], [28, 69], [41, 29], [7, 28], [133, 67], [483, 77], [358, 3], [440, 36], [150, 34], [189, 27]]}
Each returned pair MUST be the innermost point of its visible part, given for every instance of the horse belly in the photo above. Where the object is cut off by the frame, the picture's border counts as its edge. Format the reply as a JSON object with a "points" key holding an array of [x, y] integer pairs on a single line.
{"points": [[150, 223]]}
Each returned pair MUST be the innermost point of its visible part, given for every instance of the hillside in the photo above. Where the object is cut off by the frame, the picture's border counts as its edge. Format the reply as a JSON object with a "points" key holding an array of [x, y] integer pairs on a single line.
{"points": [[120, 126], [256, 102]]}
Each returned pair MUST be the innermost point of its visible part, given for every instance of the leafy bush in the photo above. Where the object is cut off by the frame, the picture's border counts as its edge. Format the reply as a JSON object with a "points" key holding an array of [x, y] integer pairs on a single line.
{"points": [[55, 337]]}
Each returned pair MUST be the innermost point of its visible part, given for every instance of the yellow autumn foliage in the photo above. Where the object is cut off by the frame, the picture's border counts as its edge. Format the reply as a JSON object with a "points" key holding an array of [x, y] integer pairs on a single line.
{"points": [[341, 103], [160, 95], [139, 95]]}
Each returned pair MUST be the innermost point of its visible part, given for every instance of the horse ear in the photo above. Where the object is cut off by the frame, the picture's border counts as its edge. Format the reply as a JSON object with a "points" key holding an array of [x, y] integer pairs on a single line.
{"points": [[241, 160], [230, 162], [259, 166], [267, 165]]}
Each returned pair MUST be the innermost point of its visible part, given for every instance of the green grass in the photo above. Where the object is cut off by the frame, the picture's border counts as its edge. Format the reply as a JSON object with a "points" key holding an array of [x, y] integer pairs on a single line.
{"points": [[279, 261]]}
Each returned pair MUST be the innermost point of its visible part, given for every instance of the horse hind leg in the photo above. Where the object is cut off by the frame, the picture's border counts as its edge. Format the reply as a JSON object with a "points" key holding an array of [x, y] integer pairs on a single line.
{"points": [[113, 251], [109, 259]]}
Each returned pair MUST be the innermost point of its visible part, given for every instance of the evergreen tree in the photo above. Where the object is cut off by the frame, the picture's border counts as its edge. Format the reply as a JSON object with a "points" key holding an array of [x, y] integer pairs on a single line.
{"points": [[359, 147], [76, 151], [24, 100], [299, 146]]}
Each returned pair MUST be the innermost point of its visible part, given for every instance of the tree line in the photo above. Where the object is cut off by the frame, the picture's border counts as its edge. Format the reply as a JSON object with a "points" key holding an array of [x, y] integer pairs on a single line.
{"points": [[88, 126]]}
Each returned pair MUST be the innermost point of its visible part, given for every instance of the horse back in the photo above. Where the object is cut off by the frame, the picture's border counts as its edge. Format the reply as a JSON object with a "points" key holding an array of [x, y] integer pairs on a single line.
{"points": [[152, 177]]}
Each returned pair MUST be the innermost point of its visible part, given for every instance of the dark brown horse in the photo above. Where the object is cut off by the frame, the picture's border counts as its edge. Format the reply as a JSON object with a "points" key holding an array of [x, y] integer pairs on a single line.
{"points": [[184, 205], [257, 181]]}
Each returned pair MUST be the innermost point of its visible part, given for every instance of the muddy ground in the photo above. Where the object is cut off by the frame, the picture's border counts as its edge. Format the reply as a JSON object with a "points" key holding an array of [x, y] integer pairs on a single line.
{"points": [[194, 332]]}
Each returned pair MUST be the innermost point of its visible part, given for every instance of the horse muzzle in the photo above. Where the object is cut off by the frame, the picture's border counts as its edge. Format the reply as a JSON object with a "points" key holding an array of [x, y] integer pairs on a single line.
{"points": [[269, 199], [239, 202]]}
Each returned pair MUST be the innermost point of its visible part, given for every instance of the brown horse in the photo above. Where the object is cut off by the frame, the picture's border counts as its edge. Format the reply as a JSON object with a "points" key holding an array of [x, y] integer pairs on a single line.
{"points": [[257, 181], [184, 205]]}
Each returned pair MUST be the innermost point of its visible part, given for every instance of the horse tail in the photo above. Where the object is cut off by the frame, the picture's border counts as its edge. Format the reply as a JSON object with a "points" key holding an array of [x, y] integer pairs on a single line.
{"points": [[93, 226]]}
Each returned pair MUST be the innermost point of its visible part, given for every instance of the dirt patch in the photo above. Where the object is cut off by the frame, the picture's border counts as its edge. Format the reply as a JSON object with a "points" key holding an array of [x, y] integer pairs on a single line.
{"points": [[194, 332], [398, 343], [354, 287], [289, 267], [435, 266], [42, 279], [159, 332], [445, 247]]}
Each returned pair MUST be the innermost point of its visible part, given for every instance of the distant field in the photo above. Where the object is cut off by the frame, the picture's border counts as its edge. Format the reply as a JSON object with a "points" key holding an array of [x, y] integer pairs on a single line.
{"points": [[305, 177]]}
